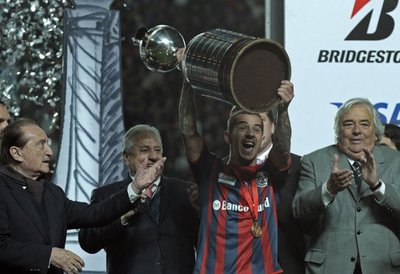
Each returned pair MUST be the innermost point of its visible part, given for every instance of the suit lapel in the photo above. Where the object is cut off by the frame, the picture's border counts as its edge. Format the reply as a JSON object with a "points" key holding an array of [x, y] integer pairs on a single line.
{"points": [[164, 195], [52, 214], [345, 164], [122, 185], [163, 204], [379, 160], [21, 195], [288, 189]]}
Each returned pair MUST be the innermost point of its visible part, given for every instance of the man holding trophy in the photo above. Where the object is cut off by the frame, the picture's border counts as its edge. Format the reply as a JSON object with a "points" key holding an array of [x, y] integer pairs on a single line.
{"points": [[238, 232], [238, 227]]}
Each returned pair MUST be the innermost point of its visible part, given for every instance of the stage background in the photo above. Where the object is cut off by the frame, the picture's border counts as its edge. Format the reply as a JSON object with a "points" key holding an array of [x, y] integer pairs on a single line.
{"points": [[31, 69]]}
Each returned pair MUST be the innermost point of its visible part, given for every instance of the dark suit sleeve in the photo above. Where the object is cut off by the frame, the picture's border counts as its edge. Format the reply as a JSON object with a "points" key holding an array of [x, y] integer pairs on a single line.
{"points": [[286, 190], [24, 255], [93, 240], [276, 175], [83, 215]]}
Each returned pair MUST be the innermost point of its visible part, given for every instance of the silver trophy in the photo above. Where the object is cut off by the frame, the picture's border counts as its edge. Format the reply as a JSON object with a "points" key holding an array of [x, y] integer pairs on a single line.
{"points": [[226, 65]]}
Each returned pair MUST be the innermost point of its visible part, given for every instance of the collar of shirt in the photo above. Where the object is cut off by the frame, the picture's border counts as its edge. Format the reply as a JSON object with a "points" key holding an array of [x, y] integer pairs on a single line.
{"points": [[263, 156]]}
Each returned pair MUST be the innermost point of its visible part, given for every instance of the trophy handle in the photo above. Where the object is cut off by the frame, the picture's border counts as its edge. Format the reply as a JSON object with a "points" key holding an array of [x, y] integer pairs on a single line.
{"points": [[161, 48], [139, 36]]}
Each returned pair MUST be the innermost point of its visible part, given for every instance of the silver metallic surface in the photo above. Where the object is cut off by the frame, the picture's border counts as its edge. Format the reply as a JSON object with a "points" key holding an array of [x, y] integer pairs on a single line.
{"points": [[161, 48], [210, 63]]}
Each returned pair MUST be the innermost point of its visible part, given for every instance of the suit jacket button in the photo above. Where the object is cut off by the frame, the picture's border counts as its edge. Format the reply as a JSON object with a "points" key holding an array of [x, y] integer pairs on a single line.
{"points": [[352, 259], [358, 232], [358, 209]]}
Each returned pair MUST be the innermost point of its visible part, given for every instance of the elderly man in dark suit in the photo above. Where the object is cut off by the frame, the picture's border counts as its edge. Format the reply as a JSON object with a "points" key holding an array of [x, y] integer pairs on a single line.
{"points": [[159, 234], [351, 192], [35, 214]]}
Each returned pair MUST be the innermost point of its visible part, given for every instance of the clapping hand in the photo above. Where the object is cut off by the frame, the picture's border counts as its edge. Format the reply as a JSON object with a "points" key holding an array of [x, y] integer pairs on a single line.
{"points": [[146, 174], [368, 168], [340, 179]]}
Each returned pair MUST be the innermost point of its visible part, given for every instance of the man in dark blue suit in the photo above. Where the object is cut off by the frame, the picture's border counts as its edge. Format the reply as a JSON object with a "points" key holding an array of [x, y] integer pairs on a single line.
{"points": [[158, 235], [35, 214], [291, 239]]}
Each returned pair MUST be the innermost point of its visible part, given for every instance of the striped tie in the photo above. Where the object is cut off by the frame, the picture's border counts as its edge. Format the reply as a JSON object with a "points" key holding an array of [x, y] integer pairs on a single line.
{"points": [[357, 174]]}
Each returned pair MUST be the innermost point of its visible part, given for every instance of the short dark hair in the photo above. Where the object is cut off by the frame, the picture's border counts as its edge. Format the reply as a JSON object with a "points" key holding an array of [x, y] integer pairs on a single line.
{"points": [[13, 135], [235, 111], [392, 131], [272, 115]]}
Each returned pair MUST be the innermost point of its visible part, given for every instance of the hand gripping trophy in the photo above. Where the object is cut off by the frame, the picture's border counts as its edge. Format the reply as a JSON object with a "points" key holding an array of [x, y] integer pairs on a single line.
{"points": [[226, 65]]}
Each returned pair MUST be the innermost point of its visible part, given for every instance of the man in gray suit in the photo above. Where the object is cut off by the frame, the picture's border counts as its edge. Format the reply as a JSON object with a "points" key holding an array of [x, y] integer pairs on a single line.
{"points": [[355, 210]]}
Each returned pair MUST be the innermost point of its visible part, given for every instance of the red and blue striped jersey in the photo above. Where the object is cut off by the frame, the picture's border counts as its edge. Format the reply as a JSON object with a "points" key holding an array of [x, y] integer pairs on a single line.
{"points": [[226, 244]]}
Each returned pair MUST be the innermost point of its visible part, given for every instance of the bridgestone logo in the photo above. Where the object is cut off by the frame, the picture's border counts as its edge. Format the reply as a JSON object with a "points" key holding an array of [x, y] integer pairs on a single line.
{"points": [[225, 205], [359, 56]]}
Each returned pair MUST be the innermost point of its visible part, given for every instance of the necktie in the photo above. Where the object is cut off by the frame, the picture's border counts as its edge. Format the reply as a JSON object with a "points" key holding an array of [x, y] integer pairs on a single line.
{"points": [[357, 174], [155, 205], [150, 190], [153, 199]]}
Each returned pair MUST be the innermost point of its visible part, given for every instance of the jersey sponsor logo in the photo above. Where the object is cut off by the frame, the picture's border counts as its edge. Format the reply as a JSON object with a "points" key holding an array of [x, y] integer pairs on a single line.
{"points": [[226, 179], [228, 206]]}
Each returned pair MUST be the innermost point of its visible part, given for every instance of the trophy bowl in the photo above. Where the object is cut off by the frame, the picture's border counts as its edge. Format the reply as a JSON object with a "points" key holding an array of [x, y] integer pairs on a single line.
{"points": [[229, 66], [236, 68], [161, 48]]}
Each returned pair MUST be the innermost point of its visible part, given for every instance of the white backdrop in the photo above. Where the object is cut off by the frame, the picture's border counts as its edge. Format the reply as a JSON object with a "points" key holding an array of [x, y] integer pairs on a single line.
{"points": [[314, 30]]}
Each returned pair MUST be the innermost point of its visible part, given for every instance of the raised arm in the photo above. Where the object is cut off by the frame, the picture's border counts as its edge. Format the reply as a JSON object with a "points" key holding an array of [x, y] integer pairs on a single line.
{"points": [[187, 123], [280, 152], [94, 239]]}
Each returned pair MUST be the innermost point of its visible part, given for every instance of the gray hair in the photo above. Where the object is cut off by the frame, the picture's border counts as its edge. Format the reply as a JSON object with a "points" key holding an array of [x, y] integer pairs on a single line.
{"points": [[133, 132], [379, 128]]}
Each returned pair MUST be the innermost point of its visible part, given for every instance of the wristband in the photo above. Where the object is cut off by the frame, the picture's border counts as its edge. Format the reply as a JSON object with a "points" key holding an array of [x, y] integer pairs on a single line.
{"points": [[378, 185]]}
